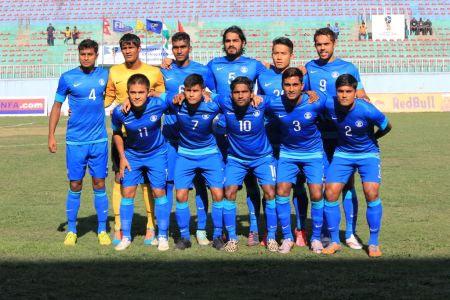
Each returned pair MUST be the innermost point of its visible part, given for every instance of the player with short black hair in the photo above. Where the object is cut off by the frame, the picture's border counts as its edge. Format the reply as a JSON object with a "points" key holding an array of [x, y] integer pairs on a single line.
{"points": [[86, 138]]}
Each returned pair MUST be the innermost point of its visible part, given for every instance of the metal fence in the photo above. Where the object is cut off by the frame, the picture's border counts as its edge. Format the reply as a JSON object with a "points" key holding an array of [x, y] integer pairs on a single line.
{"points": [[385, 65]]}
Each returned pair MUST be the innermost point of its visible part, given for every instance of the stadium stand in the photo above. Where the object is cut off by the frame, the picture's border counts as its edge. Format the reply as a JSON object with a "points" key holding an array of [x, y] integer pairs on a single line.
{"points": [[23, 44]]}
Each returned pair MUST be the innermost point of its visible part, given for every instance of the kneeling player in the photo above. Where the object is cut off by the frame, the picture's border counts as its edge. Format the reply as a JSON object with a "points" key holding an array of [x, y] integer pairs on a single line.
{"points": [[143, 151], [249, 151], [357, 150], [86, 138], [197, 151]]}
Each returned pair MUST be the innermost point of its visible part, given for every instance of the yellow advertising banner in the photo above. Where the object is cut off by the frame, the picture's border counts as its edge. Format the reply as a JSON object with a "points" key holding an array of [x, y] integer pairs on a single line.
{"points": [[424, 102]]}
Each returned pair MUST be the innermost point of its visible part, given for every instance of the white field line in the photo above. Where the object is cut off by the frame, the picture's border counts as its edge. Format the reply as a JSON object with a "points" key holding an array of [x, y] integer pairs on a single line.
{"points": [[17, 125]]}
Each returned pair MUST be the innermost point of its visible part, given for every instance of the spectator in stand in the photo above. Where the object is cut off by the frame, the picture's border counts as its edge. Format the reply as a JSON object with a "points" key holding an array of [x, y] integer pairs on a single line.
{"points": [[362, 31], [50, 35], [335, 29], [413, 26], [67, 35], [420, 27], [75, 34], [428, 27]]}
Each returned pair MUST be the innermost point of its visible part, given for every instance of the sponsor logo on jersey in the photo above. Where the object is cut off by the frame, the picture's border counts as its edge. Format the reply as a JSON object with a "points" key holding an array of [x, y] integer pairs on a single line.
{"points": [[244, 69], [256, 113], [219, 68], [76, 84], [153, 118], [335, 74], [101, 82], [205, 116], [307, 115], [267, 84], [359, 123]]}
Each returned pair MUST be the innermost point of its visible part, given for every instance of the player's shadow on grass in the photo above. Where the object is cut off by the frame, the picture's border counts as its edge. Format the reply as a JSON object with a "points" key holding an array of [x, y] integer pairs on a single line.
{"points": [[221, 275]]}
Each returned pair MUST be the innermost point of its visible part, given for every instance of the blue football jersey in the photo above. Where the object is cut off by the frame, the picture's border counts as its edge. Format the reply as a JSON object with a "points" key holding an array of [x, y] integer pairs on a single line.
{"points": [[225, 71], [173, 81], [270, 83], [196, 127], [86, 101], [143, 128], [245, 129], [356, 127], [299, 132], [323, 77]]}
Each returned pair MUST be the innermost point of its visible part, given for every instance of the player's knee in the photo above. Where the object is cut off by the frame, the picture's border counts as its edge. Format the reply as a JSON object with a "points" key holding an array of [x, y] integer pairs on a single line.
{"points": [[283, 189], [76, 186], [371, 193], [128, 192], [316, 194], [269, 192], [182, 195], [98, 183], [230, 192], [157, 193], [331, 194], [217, 194]]}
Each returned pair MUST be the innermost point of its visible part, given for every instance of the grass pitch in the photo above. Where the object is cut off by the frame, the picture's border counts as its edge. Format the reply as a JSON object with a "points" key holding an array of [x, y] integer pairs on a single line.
{"points": [[414, 237]]}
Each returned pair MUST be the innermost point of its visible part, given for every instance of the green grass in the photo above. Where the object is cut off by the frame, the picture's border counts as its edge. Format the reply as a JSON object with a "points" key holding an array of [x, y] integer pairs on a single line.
{"points": [[35, 264]]}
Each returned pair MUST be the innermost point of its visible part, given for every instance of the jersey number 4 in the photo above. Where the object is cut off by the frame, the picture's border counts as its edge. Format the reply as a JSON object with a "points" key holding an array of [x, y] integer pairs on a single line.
{"points": [[92, 95]]}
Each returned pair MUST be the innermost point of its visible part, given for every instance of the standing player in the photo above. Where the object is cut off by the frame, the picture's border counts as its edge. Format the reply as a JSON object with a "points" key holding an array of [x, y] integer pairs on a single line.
{"points": [[144, 151], [225, 69], [197, 152], [301, 150], [86, 138], [322, 75], [174, 77], [249, 151], [116, 91], [357, 149], [269, 83]]}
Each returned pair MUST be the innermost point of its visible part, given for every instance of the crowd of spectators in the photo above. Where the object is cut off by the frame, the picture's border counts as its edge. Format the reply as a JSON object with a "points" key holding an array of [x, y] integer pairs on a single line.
{"points": [[420, 27]]}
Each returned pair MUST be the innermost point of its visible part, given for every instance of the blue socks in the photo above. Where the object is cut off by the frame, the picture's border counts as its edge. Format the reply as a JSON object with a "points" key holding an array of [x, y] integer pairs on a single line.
{"points": [[253, 202], [333, 216], [72, 207], [126, 216], [271, 218], [317, 219], [101, 206], [374, 214], [169, 194], [217, 218], [183, 217], [201, 201], [283, 208], [350, 203], [229, 218], [300, 200], [162, 214]]}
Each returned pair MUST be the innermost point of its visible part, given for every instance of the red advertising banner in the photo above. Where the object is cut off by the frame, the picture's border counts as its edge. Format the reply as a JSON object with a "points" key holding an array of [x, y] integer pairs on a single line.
{"points": [[23, 107]]}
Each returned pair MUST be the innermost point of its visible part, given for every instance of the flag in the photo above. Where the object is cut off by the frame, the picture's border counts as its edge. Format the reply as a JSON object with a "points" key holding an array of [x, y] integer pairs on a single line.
{"points": [[139, 25], [166, 35], [154, 26], [180, 27], [119, 26], [106, 27]]}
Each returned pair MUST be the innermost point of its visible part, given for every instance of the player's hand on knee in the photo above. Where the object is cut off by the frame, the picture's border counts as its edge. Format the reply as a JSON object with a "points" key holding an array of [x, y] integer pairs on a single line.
{"points": [[313, 97], [52, 144], [126, 106], [178, 99], [165, 64]]}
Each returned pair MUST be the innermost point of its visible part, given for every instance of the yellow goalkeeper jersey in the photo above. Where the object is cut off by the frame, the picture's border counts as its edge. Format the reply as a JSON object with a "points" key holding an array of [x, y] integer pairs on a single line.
{"points": [[116, 89]]}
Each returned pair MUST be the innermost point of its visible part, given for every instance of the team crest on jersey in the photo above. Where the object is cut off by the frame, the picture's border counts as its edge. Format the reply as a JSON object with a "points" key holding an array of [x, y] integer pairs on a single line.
{"points": [[205, 116], [153, 118], [359, 123], [101, 82], [307, 115], [244, 69], [335, 74], [256, 113]]}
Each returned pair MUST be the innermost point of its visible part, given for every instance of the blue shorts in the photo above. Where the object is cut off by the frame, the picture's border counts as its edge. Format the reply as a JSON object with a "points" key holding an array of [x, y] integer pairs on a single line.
{"points": [[341, 169], [95, 156], [172, 148], [154, 166], [263, 168], [289, 168], [210, 166]]}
